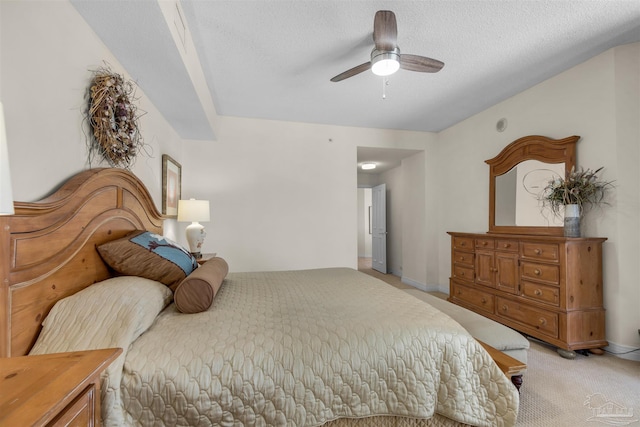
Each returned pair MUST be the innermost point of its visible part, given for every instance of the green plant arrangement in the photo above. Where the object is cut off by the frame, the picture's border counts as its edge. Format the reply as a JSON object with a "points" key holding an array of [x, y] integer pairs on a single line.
{"points": [[581, 187]]}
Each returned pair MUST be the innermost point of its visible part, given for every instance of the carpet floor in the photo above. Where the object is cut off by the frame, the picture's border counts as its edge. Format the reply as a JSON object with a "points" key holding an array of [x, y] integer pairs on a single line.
{"points": [[561, 392], [586, 391]]}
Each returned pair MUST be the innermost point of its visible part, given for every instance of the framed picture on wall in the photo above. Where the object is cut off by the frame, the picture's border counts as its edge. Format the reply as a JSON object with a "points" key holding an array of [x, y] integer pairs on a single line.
{"points": [[171, 186]]}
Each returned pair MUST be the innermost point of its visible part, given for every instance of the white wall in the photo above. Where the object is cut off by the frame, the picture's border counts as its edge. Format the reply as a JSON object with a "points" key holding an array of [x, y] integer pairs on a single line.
{"points": [[280, 198], [414, 237], [283, 195], [367, 180], [622, 292], [48, 52], [598, 100], [393, 179]]}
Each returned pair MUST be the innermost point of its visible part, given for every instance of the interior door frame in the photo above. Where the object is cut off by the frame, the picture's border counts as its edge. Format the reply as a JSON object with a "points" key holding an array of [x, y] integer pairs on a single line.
{"points": [[379, 228]]}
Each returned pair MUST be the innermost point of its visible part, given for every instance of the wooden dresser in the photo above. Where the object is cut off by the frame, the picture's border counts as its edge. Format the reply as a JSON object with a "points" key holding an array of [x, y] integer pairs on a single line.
{"points": [[61, 389], [548, 287]]}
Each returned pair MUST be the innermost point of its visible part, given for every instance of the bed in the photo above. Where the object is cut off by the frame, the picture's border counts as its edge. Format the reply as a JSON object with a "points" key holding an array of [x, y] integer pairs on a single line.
{"points": [[328, 347]]}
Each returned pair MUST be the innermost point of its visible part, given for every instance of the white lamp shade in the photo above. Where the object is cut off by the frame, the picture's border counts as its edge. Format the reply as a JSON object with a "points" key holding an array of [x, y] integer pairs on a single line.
{"points": [[193, 210], [6, 195]]}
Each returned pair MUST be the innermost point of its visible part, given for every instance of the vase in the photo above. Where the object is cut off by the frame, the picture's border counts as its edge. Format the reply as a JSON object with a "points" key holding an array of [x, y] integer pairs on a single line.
{"points": [[572, 220]]}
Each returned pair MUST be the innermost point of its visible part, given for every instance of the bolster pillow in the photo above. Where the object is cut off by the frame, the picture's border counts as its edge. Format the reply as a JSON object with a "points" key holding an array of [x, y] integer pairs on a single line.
{"points": [[197, 291]]}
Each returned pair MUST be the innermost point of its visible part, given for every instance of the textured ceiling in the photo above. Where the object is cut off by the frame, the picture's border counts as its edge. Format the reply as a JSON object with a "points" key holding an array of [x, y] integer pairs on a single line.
{"points": [[273, 59]]}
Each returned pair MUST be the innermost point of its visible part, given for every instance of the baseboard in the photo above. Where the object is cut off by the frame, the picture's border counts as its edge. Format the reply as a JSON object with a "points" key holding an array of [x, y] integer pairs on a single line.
{"points": [[623, 351], [394, 272], [418, 285], [413, 283]]}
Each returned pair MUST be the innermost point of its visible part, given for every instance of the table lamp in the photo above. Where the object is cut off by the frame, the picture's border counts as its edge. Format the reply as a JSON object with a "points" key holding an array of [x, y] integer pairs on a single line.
{"points": [[192, 211]]}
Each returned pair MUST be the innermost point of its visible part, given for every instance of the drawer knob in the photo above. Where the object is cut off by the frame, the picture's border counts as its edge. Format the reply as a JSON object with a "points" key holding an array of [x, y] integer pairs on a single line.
{"points": [[462, 273], [484, 243], [461, 258], [537, 251], [484, 300], [537, 272], [505, 308], [463, 243], [542, 321], [537, 292], [507, 245]]}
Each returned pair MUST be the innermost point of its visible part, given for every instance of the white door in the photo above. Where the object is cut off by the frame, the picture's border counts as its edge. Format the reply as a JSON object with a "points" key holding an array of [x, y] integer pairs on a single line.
{"points": [[379, 228]]}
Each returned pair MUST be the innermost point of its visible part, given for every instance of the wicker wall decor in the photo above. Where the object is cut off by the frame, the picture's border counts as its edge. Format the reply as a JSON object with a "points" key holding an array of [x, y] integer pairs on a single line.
{"points": [[114, 118]]}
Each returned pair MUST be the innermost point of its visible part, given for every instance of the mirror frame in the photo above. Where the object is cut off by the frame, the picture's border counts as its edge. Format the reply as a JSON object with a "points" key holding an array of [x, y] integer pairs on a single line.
{"points": [[532, 147]]}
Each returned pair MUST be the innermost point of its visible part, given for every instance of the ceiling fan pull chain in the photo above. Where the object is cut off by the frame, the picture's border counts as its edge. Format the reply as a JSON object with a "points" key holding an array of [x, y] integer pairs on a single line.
{"points": [[384, 87]]}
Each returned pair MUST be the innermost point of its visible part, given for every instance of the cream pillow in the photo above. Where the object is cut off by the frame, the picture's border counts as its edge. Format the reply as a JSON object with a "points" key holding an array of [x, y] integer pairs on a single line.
{"points": [[111, 313]]}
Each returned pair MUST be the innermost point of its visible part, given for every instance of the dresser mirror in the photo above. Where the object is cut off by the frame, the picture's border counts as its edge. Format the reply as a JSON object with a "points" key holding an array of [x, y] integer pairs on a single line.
{"points": [[518, 174]]}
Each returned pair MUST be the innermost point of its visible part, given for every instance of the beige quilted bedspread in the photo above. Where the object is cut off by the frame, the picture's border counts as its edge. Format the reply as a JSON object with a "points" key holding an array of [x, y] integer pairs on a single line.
{"points": [[300, 348], [297, 348]]}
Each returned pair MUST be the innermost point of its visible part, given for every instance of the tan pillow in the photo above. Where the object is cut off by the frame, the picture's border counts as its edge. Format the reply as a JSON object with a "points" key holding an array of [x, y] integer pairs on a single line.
{"points": [[149, 255], [197, 291]]}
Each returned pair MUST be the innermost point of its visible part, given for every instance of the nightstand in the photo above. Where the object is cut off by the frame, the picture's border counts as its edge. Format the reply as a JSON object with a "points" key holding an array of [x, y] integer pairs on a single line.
{"points": [[61, 389], [206, 257]]}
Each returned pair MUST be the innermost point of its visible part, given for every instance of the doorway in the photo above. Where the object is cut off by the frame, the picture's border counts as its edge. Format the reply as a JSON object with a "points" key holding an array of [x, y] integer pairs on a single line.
{"points": [[399, 180], [372, 228], [379, 228], [364, 226]]}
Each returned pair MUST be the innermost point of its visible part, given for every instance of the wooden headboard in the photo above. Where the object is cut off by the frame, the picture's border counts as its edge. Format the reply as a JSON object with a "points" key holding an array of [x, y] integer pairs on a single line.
{"points": [[47, 249]]}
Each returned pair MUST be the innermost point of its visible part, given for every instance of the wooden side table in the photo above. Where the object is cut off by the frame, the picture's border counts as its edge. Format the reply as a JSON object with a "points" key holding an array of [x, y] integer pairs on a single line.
{"points": [[510, 366], [206, 257], [61, 389]]}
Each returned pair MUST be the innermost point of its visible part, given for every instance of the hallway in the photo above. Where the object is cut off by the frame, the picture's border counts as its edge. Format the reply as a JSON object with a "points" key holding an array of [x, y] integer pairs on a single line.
{"points": [[364, 265]]}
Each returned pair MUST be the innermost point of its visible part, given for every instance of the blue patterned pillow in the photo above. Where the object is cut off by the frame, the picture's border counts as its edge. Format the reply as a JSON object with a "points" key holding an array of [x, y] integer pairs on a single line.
{"points": [[149, 255]]}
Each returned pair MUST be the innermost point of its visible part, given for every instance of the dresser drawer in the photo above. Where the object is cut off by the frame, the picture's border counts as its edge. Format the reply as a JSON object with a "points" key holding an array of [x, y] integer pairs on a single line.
{"points": [[481, 300], [540, 251], [463, 273], [507, 245], [540, 272], [463, 258], [485, 244], [541, 293], [80, 412], [544, 321], [464, 243]]}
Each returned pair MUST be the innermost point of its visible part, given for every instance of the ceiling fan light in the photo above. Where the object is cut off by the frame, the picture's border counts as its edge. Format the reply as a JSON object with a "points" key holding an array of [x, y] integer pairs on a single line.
{"points": [[385, 63], [368, 166]]}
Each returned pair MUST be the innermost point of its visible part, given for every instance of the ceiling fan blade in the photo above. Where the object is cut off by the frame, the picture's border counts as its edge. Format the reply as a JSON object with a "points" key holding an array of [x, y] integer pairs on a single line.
{"points": [[420, 63], [385, 30], [352, 72]]}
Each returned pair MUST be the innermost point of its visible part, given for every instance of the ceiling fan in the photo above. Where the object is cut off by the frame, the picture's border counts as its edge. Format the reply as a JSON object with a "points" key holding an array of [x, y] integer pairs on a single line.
{"points": [[385, 56]]}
